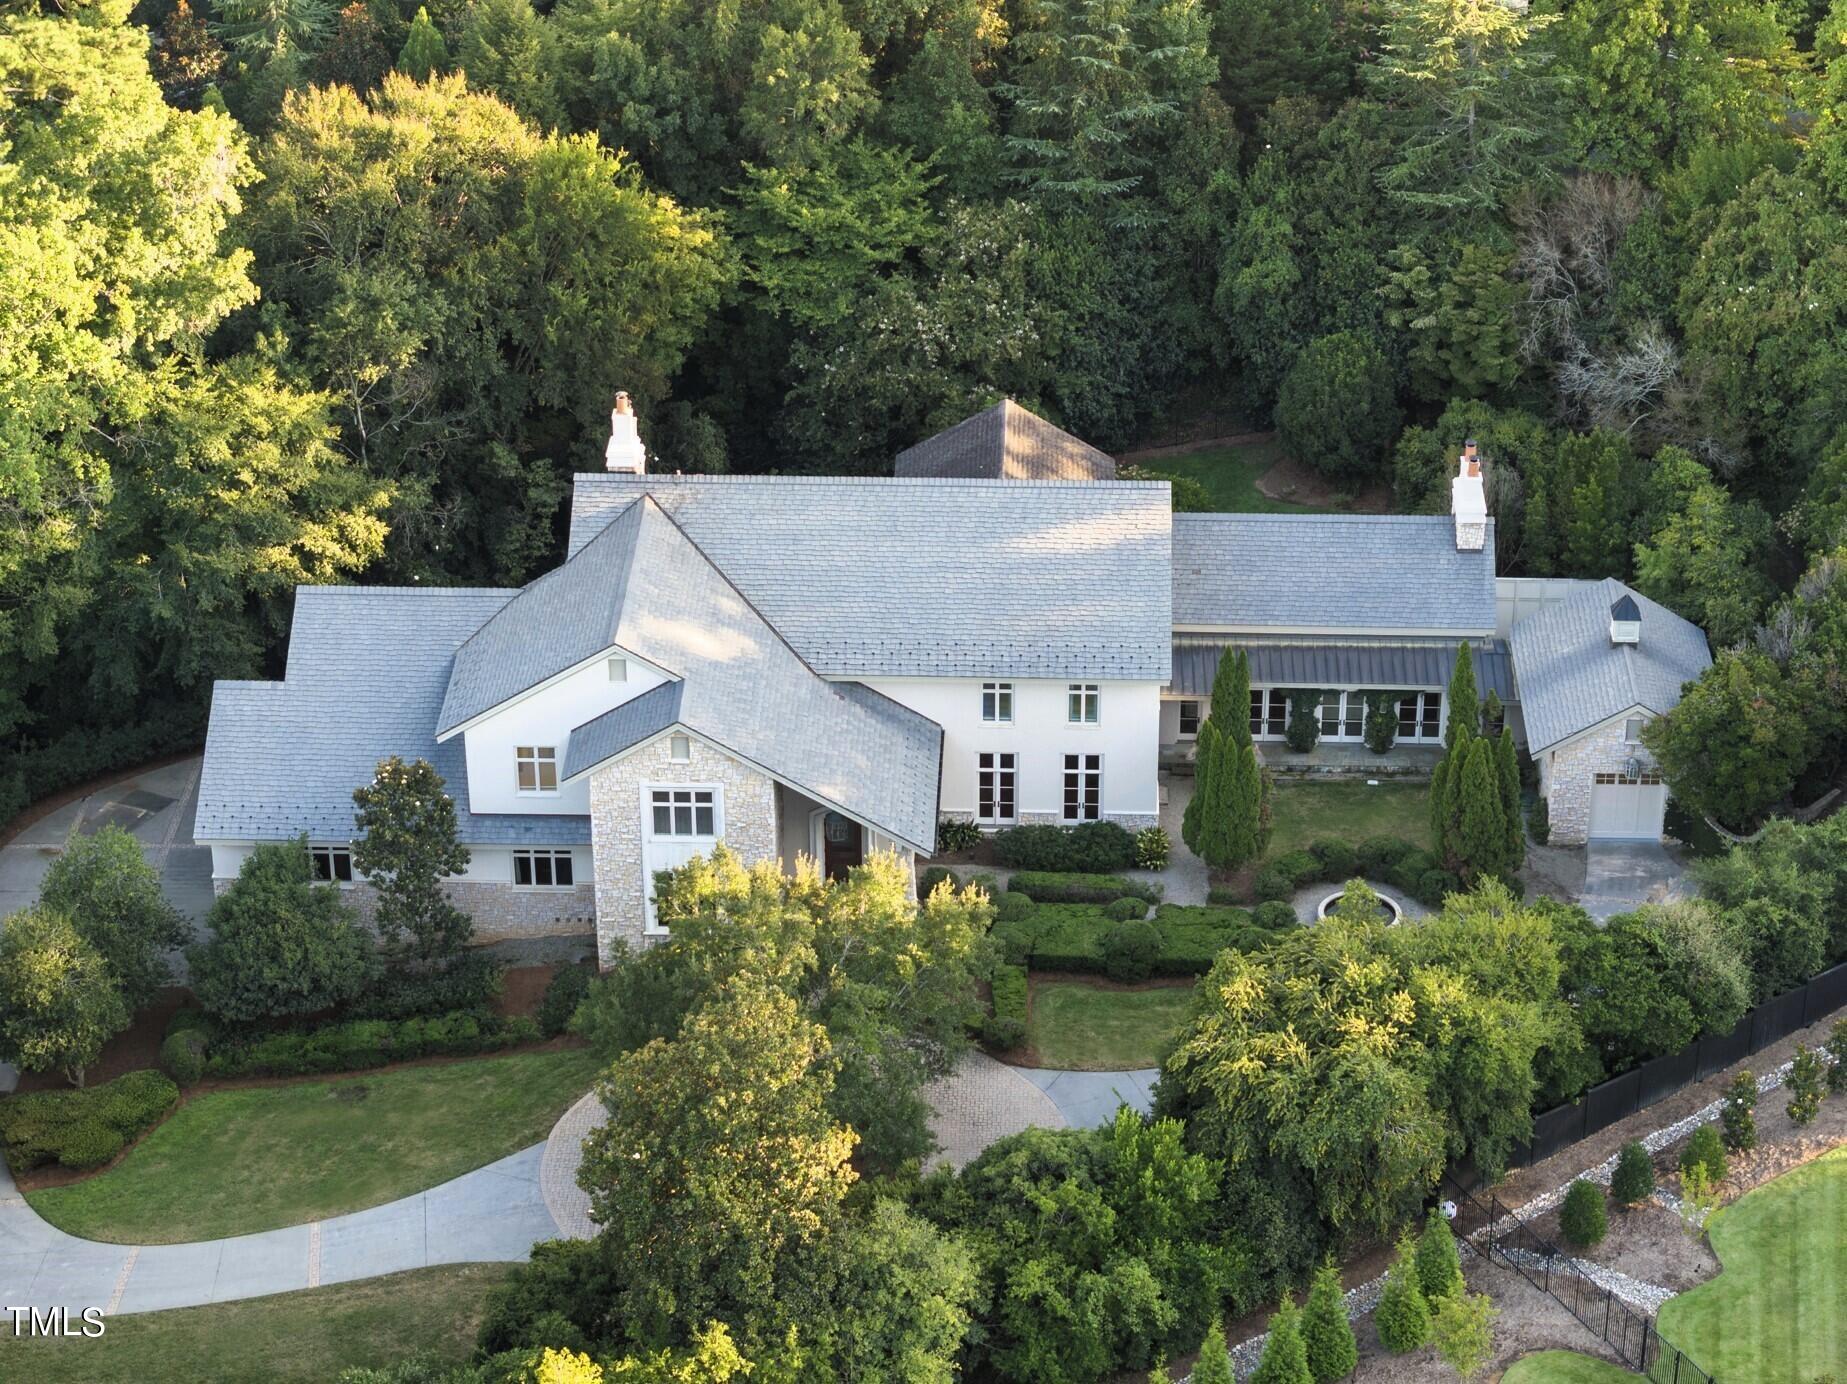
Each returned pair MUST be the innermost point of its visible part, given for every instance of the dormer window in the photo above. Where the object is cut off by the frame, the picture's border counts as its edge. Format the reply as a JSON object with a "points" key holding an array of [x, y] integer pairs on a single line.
{"points": [[618, 670], [537, 767], [1625, 621]]}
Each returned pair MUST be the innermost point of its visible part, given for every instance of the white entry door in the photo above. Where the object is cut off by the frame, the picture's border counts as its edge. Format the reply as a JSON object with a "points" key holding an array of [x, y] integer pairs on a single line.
{"points": [[1627, 809], [678, 822]]}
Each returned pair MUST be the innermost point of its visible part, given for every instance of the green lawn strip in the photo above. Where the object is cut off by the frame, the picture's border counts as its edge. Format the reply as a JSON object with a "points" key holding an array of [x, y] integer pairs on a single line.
{"points": [[238, 1161], [1229, 475], [1079, 1027], [1302, 813], [1777, 1312], [1563, 1367], [292, 1338]]}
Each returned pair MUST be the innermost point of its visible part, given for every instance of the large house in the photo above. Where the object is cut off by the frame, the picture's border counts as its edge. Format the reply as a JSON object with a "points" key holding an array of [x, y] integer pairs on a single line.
{"points": [[823, 667]]}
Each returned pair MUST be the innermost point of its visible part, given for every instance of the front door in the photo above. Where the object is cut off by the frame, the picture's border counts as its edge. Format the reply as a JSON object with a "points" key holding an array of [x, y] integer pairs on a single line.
{"points": [[843, 844]]}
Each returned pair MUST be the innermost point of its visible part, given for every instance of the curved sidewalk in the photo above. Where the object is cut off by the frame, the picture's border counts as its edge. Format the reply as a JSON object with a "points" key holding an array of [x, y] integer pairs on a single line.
{"points": [[493, 1213]]}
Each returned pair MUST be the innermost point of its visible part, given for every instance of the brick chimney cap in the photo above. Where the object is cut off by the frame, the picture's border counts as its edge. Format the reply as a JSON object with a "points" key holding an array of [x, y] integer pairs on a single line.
{"points": [[622, 402]]}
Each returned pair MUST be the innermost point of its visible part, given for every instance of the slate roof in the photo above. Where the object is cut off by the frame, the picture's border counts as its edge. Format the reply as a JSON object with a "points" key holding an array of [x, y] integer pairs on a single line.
{"points": [[643, 586], [368, 669], [1378, 664], [1005, 442], [870, 577], [1398, 573], [1572, 677]]}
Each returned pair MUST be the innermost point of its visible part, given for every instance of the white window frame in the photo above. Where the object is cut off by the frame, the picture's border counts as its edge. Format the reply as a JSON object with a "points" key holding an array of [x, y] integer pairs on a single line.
{"points": [[997, 703], [1632, 730], [549, 858], [680, 749], [1004, 791], [653, 793], [618, 669], [1272, 710], [539, 758], [1087, 770], [1084, 704], [333, 855], [1197, 705]]}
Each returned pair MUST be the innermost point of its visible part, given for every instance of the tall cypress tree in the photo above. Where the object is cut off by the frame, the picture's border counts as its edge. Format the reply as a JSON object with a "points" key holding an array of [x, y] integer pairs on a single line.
{"points": [[1244, 814], [1509, 766], [1202, 769], [1464, 703], [1285, 1361], [424, 53], [1231, 696], [1327, 1334], [1481, 829], [1463, 710]]}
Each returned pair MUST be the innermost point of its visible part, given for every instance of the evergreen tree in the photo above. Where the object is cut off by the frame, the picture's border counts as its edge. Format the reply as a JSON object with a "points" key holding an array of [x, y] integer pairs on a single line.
{"points": [[1202, 772], [1246, 810], [1403, 1315], [1737, 1116], [1481, 826], [1231, 697], [1462, 702], [1381, 722], [424, 53], [1805, 1088], [1304, 727], [1633, 1181], [406, 845], [1461, 707], [1439, 1265], [1582, 1218], [1508, 764], [1214, 1363], [1327, 1334], [1285, 1360], [1706, 1150], [1837, 1049]]}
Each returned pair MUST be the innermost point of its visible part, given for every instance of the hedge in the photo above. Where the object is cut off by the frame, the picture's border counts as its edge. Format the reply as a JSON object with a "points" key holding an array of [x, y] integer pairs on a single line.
{"points": [[82, 1129], [1069, 937], [1006, 1027], [361, 1043], [569, 985], [471, 980], [1046, 887], [37, 771], [1094, 847]]}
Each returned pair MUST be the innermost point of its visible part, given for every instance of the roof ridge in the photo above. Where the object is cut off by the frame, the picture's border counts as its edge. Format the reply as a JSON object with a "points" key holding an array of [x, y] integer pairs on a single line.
{"points": [[928, 482]]}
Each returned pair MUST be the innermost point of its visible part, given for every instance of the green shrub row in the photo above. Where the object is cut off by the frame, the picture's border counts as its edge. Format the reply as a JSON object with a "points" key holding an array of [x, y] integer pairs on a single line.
{"points": [[82, 1129], [1071, 937], [1405, 867], [1042, 886], [567, 990], [1093, 848], [1005, 1028], [469, 980], [38, 771], [361, 1043]]}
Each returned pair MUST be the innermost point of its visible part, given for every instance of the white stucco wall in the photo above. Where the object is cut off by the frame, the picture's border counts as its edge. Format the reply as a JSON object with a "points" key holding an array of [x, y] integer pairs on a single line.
{"points": [[1127, 735]]}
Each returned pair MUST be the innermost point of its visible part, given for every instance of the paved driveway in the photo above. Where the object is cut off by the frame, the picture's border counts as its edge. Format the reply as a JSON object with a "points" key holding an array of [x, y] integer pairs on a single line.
{"points": [[1622, 875]]}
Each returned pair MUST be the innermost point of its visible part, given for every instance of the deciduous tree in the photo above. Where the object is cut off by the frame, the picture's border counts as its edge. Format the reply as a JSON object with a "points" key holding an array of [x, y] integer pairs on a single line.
{"points": [[59, 998], [109, 891]]}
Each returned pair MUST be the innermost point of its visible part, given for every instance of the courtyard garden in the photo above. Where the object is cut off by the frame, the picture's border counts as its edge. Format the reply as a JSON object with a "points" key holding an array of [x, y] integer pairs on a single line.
{"points": [[1078, 1024], [1346, 810]]}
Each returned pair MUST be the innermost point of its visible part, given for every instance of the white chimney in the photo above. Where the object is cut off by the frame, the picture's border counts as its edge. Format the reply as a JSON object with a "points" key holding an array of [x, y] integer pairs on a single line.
{"points": [[1625, 621], [1468, 501], [625, 452]]}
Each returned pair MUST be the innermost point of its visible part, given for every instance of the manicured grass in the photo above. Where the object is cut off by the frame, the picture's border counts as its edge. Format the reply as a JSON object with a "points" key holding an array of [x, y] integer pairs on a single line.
{"points": [[1082, 1027], [1301, 813], [1563, 1367], [1777, 1312], [1229, 475], [233, 1162], [292, 1338]]}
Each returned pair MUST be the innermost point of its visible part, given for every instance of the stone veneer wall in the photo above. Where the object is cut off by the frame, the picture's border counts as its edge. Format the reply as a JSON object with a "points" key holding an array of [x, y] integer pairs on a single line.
{"points": [[500, 911], [1569, 779], [749, 819]]}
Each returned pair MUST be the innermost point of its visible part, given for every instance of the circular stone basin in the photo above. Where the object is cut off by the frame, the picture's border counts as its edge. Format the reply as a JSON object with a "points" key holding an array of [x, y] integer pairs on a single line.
{"points": [[1389, 911]]}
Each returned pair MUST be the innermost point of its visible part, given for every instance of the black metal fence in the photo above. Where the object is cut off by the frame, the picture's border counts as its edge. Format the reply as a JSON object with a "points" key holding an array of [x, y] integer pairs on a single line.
{"points": [[1630, 1333], [1618, 1098]]}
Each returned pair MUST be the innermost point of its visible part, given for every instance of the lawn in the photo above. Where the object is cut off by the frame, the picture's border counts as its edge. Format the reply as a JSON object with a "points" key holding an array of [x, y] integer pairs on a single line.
{"points": [[1301, 813], [233, 1162], [293, 1338], [1090, 1028], [1777, 1312], [1564, 1367], [1229, 475]]}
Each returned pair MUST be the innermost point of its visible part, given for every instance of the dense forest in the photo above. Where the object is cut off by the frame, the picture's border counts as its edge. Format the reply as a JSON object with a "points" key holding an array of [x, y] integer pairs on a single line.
{"points": [[296, 294]]}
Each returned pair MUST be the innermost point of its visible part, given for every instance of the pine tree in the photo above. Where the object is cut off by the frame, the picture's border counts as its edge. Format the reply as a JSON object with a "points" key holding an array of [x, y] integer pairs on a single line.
{"points": [[424, 53], [1214, 1363], [1285, 1360], [1327, 1334], [1738, 1116], [1508, 763], [1481, 829], [1403, 1315], [1439, 1265], [1633, 1182]]}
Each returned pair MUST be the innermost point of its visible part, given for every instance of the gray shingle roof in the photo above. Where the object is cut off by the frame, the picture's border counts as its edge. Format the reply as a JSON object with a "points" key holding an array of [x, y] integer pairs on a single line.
{"points": [[1380, 572], [368, 668], [1379, 664], [645, 587], [1572, 677], [1006, 442], [910, 577]]}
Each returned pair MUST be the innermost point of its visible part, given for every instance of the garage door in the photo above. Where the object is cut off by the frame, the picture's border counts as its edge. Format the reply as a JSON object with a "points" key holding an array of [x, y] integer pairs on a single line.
{"points": [[1624, 808]]}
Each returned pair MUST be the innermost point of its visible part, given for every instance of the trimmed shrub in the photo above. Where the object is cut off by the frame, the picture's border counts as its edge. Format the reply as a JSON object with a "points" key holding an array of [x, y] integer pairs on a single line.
{"points": [[361, 1043], [182, 1056], [957, 835], [189, 1020], [1006, 1027], [89, 1144], [1837, 1049], [1439, 1265], [1300, 866], [1805, 1087], [1582, 1219], [1337, 859], [1047, 887], [470, 980], [1129, 950], [1708, 1150], [1275, 916], [1093, 848], [1327, 1332], [1273, 886], [1410, 868], [1633, 1182], [37, 1128], [1433, 886], [1377, 854], [1069, 937], [568, 987], [1152, 849], [1402, 1317], [1124, 909], [1539, 822], [930, 878], [1737, 1116], [1303, 729], [1012, 906], [1225, 896]]}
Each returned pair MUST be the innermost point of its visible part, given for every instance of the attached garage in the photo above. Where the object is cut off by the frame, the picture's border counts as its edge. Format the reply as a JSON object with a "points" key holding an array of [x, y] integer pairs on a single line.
{"points": [[1625, 808]]}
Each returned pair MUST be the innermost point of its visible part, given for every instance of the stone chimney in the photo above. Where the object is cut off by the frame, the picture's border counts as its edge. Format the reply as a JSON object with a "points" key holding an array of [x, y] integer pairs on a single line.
{"points": [[625, 452], [1625, 621], [1468, 501]]}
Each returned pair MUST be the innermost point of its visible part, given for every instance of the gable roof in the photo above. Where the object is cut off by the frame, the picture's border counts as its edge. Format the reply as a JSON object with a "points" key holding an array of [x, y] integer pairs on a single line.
{"points": [[1572, 677], [1398, 573], [643, 586], [870, 577], [368, 669], [1005, 442]]}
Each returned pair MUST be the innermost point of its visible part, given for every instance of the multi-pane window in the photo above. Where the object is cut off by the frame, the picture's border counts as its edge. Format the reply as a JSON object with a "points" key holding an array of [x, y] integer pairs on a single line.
{"points": [[543, 869], [1645, 776], [683, 812], [1084, 703], [997, 702], [1189, 719], [994, 787], [1420, 715], [1330, 713], [1353, 715], [538, 768], [331, 864], [1083, 787], [1269, 711]]}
